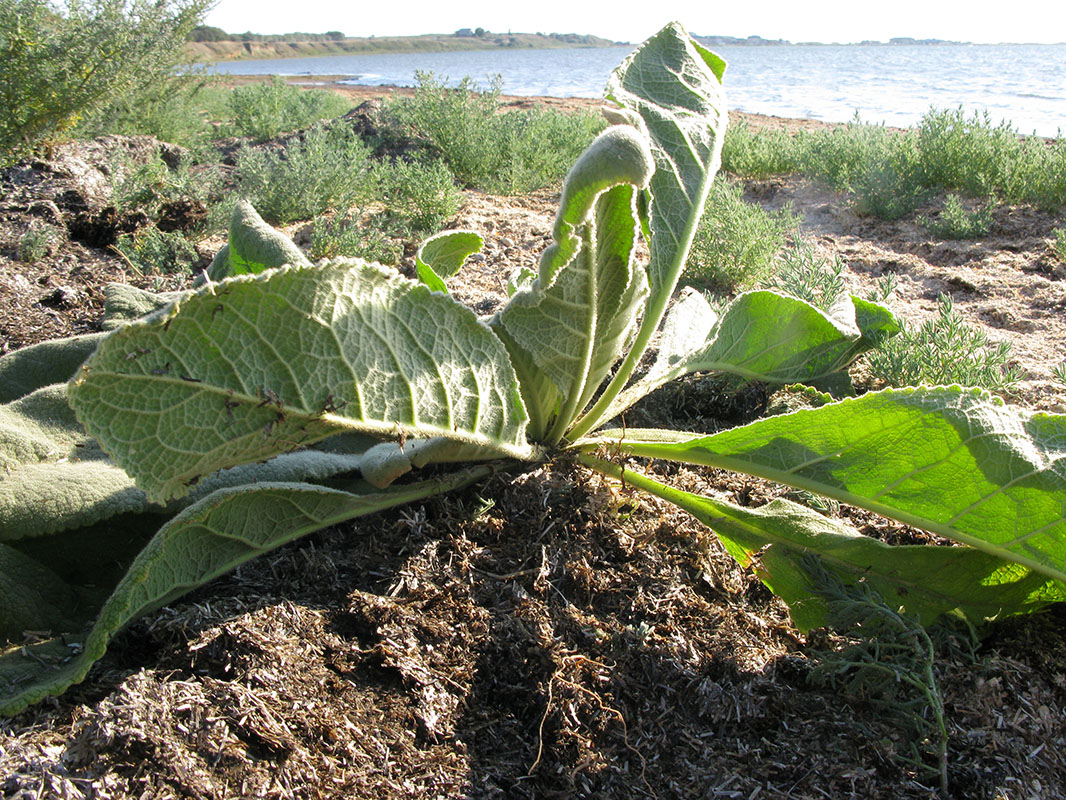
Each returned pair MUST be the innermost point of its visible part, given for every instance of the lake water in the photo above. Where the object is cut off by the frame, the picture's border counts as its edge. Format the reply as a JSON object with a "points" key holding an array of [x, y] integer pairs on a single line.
{"points": [[896, 85]]}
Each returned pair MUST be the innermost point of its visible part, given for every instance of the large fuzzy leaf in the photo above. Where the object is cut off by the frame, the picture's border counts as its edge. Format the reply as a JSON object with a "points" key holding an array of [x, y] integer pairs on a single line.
{"points": [[924, 581], [573, 321], [769, 337], [253, 247], [206, 540], [671, 88], [957, 462], [257, 366], [674, 85]]}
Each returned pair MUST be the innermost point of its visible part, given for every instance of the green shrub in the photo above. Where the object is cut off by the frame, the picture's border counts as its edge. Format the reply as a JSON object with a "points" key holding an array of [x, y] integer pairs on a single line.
{"points": [[736, 241], [750, 153], [39, 240], [1059, 245], [891, 172], [418, 197], [505, 153], [322, 169], [66, 59], [344, 235], [264, 110], [802, 273], [877, 166], [944, 350], [150, 250], [955, 221], [153, 185]]}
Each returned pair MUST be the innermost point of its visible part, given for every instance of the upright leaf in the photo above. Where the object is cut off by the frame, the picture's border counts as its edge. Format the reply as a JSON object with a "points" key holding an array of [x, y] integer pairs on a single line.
{"points": [[674, 86], [957, 462], [253, 247], [572, 322], [257, 366]]}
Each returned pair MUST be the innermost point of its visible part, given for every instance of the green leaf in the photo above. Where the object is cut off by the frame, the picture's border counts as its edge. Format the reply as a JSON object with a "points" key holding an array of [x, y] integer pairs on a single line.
{"points": [[923, 580], [573, 321], [674, 87], [256, 366], [769, 337], [124, 303], [957, 462], [442, 255], [253, 247], [206, 540], [57, 477], [54, 361]]}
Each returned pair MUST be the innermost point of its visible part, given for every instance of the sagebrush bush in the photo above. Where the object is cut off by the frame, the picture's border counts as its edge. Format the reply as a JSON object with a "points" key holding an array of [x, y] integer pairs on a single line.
{"points": [[63, 60], [956, 221], [485, 148], [153, 185], [418, 197], [322, 169], [750, 153], [736, 241], [39, 241], [264, 110], [943, 351], [802, 272], [150, 251], [347, 235]]}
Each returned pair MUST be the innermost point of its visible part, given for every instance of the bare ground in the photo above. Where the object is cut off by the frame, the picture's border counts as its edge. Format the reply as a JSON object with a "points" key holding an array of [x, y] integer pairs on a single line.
{"points": [[545, 634]]}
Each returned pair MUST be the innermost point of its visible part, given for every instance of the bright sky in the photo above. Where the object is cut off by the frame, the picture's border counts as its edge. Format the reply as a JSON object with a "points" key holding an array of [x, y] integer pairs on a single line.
{"points": [[795, 20]]}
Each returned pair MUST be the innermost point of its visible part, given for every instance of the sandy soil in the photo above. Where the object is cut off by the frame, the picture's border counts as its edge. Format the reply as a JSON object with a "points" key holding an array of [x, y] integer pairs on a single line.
{"points": [[546, 634]]}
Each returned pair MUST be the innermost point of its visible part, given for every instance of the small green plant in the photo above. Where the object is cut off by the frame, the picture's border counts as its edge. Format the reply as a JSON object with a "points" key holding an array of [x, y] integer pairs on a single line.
{"points": [[736, 242], [955, 221], [803, 273], [419, 198], [150, 251], [241, 410], [944, 350], [39, 241], [264, 110], [889, 663], [322, 169], [153, 186], [1059, 243], [346, 235]]}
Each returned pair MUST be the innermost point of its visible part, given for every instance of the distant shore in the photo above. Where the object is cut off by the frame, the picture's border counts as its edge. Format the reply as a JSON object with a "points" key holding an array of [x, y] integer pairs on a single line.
{"points": [[234, 50]]}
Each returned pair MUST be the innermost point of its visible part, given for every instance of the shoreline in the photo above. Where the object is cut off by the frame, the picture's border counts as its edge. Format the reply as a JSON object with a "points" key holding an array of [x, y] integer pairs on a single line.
{"points": [[359, 93]]}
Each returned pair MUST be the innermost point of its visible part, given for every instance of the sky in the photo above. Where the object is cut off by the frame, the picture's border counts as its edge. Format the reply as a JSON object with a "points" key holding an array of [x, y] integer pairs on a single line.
{"points": [[794, 20]]}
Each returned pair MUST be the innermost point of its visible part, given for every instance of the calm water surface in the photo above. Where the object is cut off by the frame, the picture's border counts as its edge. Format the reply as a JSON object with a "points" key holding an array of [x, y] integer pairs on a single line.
{"points": [[1023, 84]]}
